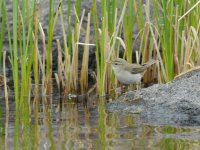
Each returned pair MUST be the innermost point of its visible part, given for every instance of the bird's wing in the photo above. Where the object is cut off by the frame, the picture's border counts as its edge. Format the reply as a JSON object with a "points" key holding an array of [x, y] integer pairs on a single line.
{"points": [[135, 68]]}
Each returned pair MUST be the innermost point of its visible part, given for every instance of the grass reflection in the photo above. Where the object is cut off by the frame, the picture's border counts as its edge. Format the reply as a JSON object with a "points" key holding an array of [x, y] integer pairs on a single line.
{"points": [[101, 142], [74, 126]]}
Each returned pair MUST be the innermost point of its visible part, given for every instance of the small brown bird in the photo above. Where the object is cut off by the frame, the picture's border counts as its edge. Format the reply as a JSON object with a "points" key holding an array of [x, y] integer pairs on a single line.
{"points": [[128, 73]]}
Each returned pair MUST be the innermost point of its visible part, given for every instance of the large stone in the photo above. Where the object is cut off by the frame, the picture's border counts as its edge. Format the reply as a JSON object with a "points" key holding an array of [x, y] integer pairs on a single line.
{"points": [[175, 103]]}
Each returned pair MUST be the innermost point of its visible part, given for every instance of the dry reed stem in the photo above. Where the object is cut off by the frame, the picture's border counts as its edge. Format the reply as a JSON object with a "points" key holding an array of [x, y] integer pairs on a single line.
{"points": [[58, 82], [187, 71], [84, 69], [74, 70], [116, 31], [156, 47], [195, 5], [5, 82], [42, 61], [59, 76]]}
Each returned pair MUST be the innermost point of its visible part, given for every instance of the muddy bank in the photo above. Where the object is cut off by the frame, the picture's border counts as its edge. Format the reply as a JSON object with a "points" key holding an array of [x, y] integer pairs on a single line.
{"points": [[175, 103]]}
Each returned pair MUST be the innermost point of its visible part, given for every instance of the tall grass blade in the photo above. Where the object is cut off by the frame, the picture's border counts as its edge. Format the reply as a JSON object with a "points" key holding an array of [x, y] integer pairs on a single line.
{"points": [[84, 68]]}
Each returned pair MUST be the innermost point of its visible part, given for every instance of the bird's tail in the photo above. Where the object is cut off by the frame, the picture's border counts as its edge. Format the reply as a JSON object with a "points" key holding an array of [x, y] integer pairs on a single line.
{"points": [[150, 62]]}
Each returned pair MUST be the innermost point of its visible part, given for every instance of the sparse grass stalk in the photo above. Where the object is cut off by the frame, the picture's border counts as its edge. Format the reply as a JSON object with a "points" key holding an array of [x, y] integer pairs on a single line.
{"points": [[26, 48], [117, 31], [14, 53], [2, 25], [147, 49], [84, 68], [65, 67], [128, 24], [96, 37], [50, 37], [14, 64], [48, 72], [78, 15], [75, 52], [69, 66], [167, 34], [36, 58], [139, 14], [36, 52], [43, 58], [5, 82], [162, 75], [78, 8], [25, 32], [69, 35], [59, 75], [52, 19], [104, 45], [101, 130], [103, 42], [143, 52], [112, 11]]}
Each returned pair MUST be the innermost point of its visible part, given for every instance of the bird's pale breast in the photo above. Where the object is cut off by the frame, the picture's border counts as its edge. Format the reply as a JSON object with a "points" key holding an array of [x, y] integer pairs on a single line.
{"points": [[126, 77]]}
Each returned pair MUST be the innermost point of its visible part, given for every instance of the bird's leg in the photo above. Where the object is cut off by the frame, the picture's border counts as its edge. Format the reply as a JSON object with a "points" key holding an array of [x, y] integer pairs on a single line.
{"points": [[119, 89], [130, 87], [126, 89], [138, 86], [123, 88]]}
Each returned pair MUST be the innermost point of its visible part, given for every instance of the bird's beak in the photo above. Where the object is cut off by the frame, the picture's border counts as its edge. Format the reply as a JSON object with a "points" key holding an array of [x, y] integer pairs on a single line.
{"points": [[109, 62]]}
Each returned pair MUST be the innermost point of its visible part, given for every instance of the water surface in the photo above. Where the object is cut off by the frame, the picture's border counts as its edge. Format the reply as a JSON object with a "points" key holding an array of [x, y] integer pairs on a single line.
{"points": [[74, 125]]}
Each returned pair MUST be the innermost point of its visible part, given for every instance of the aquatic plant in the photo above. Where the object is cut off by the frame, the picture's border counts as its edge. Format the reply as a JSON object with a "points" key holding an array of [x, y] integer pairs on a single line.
{"points": [[165, 30]]}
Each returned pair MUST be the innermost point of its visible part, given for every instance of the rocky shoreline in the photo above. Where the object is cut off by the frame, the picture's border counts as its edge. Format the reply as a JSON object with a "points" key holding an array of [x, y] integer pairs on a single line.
{"points": [[174, 103]]}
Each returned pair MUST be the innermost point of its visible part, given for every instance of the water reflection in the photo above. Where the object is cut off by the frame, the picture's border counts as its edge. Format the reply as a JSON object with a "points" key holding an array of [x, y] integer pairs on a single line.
{"points": [[60, 123]]}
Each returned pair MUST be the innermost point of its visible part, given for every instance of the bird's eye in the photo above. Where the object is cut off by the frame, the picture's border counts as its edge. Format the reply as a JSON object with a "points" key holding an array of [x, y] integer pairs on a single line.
{"points": [[116, 63]]}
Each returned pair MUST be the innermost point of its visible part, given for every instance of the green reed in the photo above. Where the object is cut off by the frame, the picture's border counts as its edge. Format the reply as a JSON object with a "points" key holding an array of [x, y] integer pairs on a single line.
{"points": [[21, 51], [128, 23], [49, 45], [139, 14], [14, 64], [13, 58], [13, 53], [167, 37], [101, 130], [166, 27], [85, 59], [173, 31], [2, 25], [28, 59], [169, 28], [69, 35], [67, 76], [105, 41]]}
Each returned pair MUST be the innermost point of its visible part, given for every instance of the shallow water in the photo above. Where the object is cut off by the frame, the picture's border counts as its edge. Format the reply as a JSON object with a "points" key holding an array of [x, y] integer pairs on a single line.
{"points": [[72, 125]]}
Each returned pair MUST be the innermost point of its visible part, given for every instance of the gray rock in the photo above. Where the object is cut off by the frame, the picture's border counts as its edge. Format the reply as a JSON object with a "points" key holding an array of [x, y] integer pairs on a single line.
{"points": [[175, 103]]}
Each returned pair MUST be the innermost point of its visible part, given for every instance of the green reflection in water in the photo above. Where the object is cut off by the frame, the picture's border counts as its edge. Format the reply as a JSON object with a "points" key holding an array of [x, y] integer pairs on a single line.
{"points": [[101, 142], [22, 134], [35, 130], [17, 132], [48, 123], [71, 128], [76, 128], [177, 139], [2, 129], [26, 126]]}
